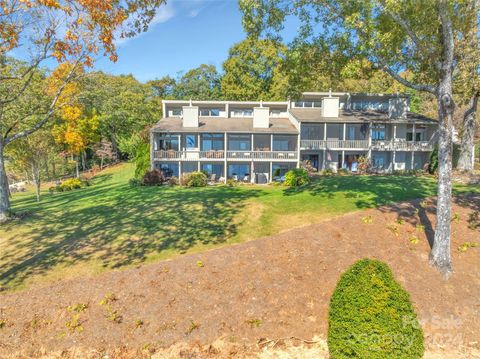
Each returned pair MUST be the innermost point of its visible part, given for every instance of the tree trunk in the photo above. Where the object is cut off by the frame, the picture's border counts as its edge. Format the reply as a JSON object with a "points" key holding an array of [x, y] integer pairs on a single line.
{"points": [[77, 170], [465, 161], [440, 253], [4, 190], [36, 180]]}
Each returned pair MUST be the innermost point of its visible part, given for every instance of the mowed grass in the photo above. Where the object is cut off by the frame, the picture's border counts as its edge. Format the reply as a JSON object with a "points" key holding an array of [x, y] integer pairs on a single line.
{"points": [[112, 225]]}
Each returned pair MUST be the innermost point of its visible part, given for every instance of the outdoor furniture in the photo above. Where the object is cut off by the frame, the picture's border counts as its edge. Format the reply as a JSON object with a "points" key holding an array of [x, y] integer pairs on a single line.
{"points": [[234, 177], [213, 178], [246, 178]]}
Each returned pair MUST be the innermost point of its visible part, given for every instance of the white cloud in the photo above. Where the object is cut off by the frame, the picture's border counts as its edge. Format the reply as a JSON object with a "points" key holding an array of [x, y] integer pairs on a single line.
{"points": [[164, 13]]}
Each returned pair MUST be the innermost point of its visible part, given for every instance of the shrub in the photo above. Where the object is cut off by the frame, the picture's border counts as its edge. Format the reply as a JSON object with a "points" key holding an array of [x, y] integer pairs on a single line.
{"points": [[371, 316], [142, 160], [153, 178], [231, 183], [69, 185], [364, 164], [195, 179], [296, 177], [133, 182], [173, 181]]}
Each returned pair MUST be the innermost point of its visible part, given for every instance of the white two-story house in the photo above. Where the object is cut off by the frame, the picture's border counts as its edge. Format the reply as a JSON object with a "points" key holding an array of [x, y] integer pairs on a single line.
{"points": [[260, 141]]}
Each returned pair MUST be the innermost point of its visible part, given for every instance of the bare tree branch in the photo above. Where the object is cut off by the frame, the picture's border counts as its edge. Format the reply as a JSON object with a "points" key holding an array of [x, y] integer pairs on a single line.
{"points": [[419, 87]]}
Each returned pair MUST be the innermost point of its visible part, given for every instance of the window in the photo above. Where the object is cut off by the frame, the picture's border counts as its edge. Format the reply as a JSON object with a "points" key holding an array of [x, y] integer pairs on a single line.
{"points": [[261, 142], [239, 170], [375, 105], [212, 141], [279, 169], [334, 131], [210, 112], [284, 143], [168, 143], [242, 112], [191, 141], [308, 104], [275, 113], [239, 142], [189, 167], [312, 131], [378, 132], [350, 132], [378, 161], [418, 136], [177, 112], [213, 168], [169, 169]]}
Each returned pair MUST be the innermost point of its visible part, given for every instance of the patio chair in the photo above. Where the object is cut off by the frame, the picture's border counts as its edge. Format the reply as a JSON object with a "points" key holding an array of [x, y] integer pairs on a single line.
{"points": [[213, 178]]}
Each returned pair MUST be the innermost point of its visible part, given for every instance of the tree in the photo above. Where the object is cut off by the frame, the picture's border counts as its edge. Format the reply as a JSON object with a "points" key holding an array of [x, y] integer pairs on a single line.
{"points": [[123, 104], [467, 83], [164, 87], [201, 83], [63, 30], [253, 71], [395, 36], [31, 155]]}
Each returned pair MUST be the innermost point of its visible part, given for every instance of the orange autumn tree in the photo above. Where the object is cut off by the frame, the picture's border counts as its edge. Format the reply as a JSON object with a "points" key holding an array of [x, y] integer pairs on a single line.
{"points": [[69, 32], [76, 129]]}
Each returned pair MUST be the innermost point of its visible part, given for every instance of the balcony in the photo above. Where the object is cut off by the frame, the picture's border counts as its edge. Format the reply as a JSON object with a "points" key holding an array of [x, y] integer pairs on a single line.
{"points": [[171, 155], [334, 144]]}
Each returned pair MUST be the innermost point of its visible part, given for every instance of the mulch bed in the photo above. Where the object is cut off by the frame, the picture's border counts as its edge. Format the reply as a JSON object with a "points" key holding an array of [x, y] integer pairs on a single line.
{"points": [[274, 287]]}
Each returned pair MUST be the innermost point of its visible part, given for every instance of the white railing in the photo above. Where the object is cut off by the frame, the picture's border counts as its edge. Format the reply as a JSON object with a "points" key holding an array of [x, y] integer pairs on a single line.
{"points": [[220, 155], [262, 155], [377, 145]]}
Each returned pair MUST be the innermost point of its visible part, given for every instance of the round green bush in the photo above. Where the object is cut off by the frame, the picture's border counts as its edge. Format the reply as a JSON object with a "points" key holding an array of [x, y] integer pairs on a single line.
{"points": [[196, 179], [371, 316], [296, 177]]}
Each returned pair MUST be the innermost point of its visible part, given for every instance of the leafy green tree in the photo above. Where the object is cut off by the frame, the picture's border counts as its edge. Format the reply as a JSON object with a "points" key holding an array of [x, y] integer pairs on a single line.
{"points": [[124, 105], [68, 31], [253, 71], [395, 36], [200, 83], [164, 87]]}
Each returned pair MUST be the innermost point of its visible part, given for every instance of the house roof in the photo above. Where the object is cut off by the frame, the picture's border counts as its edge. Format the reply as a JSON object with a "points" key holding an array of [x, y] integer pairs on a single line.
{"points": [[223, 124], [315, 115]]}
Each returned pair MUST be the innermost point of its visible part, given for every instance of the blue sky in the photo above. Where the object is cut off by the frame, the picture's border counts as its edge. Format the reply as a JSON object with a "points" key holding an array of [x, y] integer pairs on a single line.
{"points": [[184, 34]]}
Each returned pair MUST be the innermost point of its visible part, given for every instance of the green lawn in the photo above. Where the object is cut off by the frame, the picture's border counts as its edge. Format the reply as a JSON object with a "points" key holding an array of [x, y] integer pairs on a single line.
{"points": [[111, 225]]}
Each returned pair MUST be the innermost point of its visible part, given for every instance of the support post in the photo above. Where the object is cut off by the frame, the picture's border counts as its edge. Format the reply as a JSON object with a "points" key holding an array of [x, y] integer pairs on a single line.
{"points": [[179, 169], [369, 152], [152, 144], [225, 168], [413, 147], [343, 158], [270, 175], [394, 147], [325, 146]]}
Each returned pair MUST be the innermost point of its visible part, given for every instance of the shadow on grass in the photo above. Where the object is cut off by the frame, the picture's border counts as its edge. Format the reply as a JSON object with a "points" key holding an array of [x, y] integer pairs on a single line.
{"points": [[369, 191], [119, 225]]}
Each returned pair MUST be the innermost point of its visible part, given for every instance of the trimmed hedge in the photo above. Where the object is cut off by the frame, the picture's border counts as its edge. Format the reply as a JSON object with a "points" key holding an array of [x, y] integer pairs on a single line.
{"points": [[371, 316], [296, 177]]}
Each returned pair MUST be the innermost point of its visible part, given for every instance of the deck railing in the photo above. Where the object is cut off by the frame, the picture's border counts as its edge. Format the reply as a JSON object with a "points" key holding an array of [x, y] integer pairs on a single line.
{"points": [[333, 144], [262, 155], [220, 155], [377, 145]]}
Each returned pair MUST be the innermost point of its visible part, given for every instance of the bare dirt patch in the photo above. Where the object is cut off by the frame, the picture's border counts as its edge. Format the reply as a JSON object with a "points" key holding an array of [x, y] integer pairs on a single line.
{"points": [[274, 287]]}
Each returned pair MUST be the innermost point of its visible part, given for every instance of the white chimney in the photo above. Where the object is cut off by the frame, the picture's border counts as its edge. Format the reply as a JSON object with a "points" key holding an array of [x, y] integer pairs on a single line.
{"points": [[397, 107], [330, 106], [190, 116], [261, 116]]}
